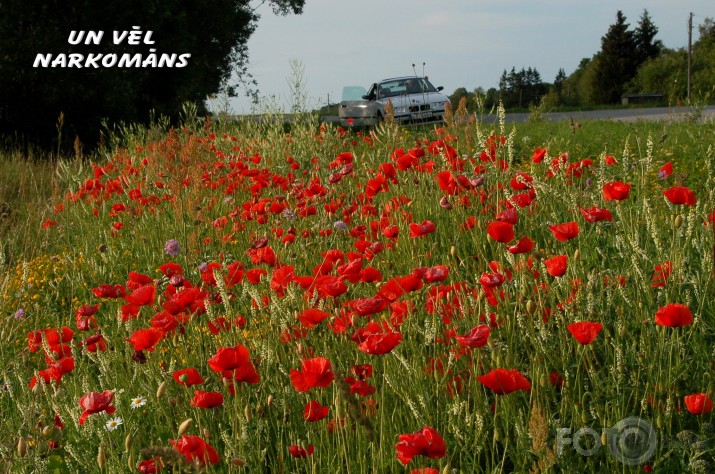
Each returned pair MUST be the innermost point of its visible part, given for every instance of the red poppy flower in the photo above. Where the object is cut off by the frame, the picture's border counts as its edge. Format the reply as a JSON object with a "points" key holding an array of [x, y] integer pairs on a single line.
{"points": [[234, 362], [206, 399], [681, 195], [436, 274], [476, 337], [376, 338], [665, 170], [142, 296], [300, 452], [148, 466], [524, 245], [500, 231], [425, 470], [419, 230], [311, 317], [170, 269], [314, 411], [616, 191], [96, 402], [425, 442], [585, 331], [556, 266], [145, 339], [193, 448], [538, 155], [188, 377], [314, 372], [109, 291], [84, 317], [661, 274], [698, 403], [674, 315], [505, 381], [564, 232], [595, 214]]}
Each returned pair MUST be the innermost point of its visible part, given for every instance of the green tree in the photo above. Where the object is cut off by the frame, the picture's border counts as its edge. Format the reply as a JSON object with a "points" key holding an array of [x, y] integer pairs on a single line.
{"points": [[213, 32], [616, 62], [647, 47]]}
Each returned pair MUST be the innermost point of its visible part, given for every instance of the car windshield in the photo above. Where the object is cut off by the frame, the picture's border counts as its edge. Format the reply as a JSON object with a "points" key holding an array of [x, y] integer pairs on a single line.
{"points": [[351, 93], [410, 85]]}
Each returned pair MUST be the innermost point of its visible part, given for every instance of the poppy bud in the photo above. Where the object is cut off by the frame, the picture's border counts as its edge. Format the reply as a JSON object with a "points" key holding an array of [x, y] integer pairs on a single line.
{"points": [[207, 433], [453, 251], [678, 221], [604, 438], [131, 462], [269, 401], [101, 456], [161, 390], [184, 426], [238, 462], [530, 307], [447, 469], [247, 413], [184, 378], [577, 254], [128, 442], [21, 447]]}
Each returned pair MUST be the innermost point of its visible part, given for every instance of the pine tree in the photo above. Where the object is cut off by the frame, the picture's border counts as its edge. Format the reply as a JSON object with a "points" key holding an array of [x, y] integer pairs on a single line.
{"points": [[616, 62], [647, 47]]}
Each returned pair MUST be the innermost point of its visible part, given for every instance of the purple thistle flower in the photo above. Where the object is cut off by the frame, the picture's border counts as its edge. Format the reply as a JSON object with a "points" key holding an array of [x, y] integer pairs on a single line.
{"points": [[340, 225], [20, 313], [172, 247]]}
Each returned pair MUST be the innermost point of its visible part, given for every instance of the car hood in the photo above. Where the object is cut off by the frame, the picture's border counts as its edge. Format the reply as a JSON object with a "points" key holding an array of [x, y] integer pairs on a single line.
{"points": [[413, 99]]}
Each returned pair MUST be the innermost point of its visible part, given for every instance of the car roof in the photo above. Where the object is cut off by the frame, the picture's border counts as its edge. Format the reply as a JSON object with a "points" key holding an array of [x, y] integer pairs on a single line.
{"points": [[402, 78]]}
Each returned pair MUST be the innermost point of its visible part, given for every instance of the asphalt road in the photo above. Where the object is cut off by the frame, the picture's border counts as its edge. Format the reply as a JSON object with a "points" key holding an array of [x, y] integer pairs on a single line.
{"points": [[621, 115]]}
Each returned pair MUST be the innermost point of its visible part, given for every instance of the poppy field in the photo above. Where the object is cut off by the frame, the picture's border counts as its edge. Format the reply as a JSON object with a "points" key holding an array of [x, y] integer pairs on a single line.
{"points": [[451, 299]]}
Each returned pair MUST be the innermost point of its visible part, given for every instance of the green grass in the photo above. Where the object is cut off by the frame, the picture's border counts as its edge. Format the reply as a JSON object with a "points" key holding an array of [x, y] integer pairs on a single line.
{"points": [[192, 184]]}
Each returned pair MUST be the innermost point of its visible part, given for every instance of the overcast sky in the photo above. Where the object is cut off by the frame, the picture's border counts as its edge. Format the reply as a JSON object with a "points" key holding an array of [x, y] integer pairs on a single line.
{"points": [[463, 43]]}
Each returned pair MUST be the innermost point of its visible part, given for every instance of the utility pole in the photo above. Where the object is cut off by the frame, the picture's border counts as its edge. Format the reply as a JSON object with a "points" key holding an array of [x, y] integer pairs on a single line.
{"points": [[690, 51]]}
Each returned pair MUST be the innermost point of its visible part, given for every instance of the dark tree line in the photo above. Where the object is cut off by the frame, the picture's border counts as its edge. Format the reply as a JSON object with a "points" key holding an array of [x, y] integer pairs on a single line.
{"points": [[213, 32]]}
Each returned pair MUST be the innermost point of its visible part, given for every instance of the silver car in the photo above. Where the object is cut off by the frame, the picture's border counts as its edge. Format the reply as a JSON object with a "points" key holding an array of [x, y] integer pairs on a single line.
{"points": [[414, 99]]}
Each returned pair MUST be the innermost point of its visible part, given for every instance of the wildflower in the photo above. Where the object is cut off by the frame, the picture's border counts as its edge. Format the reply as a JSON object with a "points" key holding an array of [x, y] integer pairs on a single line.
{"points": [[96, 402], [314, 411], [564, 232], [616, 191], [315, 372], [681, 195], [113, 423], [206, 399], [524, 245], [556, 266], [172, 248], [340, 225], [19, 314], [595, 214], [674, 315], [196, 449], [137, 402], [425, 442], [188, 377], [505, 381], [300, 452], [376, 338], [698, 403], [665, 170], [585, 331], [500, 231], [476, 337], [235, 362]]}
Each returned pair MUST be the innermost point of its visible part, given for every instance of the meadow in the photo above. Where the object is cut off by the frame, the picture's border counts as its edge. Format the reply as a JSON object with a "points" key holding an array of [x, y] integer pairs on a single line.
{"points": [[457, 298]]}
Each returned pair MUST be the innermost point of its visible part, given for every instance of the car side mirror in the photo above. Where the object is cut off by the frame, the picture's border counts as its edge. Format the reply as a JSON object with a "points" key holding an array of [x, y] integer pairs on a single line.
{"points": [[366, 97], [440, 88]]}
